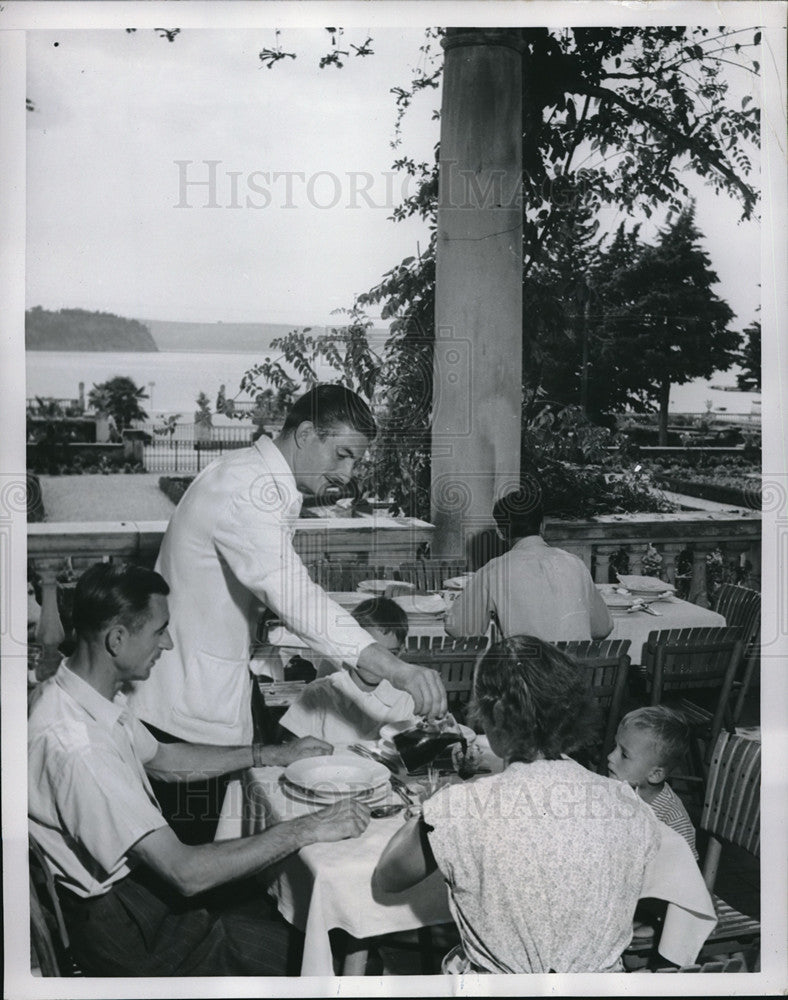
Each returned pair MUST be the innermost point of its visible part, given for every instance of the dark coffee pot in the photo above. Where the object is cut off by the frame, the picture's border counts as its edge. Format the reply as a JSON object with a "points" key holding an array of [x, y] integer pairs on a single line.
{"points": [[420, 746]]}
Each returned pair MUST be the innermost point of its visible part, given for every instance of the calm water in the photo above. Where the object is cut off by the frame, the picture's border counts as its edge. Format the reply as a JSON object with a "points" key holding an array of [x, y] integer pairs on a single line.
{"points": [[178, 377]]}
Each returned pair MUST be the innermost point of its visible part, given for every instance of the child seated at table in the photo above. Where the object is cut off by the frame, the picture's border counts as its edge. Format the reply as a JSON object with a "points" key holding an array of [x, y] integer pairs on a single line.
{"points": [[343, 707], [650, 743], [545, 861]]}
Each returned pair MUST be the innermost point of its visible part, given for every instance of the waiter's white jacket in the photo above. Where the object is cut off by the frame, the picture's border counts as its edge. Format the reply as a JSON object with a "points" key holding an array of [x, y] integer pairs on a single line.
{"points": [[227, 549]]}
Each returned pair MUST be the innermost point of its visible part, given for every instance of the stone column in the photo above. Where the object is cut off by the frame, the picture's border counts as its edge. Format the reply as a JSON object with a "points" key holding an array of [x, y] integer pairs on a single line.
{"points": [[478, 296], [49, 631]]}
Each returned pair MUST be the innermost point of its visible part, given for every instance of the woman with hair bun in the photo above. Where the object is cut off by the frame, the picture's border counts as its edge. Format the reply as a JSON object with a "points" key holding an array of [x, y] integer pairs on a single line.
{"points": [[544, 862]]}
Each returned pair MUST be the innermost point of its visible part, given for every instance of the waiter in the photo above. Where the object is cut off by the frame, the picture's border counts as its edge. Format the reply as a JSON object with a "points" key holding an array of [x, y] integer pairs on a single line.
{"points": [[228, 547]]}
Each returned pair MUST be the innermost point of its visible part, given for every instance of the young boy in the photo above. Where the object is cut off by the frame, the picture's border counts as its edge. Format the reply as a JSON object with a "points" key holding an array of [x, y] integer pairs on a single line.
{"points": [[650, 742], [343, 707]]}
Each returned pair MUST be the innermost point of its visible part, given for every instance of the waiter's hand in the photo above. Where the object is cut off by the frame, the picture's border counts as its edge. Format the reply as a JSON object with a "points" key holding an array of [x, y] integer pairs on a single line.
{"points": [[376, 663], [424, 686], [307, 746]]}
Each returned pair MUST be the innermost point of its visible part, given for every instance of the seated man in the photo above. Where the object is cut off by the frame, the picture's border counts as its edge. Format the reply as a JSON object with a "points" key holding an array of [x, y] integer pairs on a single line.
{"points": [[344, 707], [135, 899], [534, 588]]}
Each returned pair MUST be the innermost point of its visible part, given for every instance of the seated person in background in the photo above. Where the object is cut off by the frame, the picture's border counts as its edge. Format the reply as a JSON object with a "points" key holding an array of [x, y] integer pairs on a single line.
{"points": [[135, 898], [344, 706], [534, 588], [544, 862], [650, 743]]}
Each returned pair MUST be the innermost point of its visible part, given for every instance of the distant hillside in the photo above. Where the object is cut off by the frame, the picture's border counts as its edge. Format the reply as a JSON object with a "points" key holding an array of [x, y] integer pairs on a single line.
{"points": [[225, 337], [80, 330]]}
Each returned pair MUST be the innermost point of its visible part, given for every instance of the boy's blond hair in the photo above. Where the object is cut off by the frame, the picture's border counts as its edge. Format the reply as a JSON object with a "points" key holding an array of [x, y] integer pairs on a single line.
{"points": [[669, 730]]}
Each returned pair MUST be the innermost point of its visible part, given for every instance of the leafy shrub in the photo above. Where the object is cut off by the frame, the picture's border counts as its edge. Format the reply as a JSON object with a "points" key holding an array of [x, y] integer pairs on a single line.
{"points": [[569, 456], [572, 491], [173, 487], [567, 435]]}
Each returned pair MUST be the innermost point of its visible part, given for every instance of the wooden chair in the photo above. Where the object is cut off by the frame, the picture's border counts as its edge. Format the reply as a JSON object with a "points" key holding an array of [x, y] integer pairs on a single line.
{"points": [[454, 659], [48, 934], [735, 964], [607, 661], [429, 574], [703, 661], [732, 815], [741, 607]]}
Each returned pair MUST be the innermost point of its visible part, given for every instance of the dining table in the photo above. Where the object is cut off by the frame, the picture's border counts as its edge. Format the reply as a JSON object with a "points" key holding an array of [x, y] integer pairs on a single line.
{"points": [[665, 612], [329, 885]]}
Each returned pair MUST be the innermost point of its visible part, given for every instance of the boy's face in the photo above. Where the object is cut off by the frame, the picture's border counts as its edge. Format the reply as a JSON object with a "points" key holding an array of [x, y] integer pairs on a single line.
{"points": [[634, 758]]}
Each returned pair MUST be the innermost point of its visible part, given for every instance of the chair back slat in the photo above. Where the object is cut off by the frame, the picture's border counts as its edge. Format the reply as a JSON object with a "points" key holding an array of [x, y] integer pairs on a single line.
{"points": [[691, 658], [46, 917], [454, 659], [740, 606], [607, 665], [429, 574], [695, 659], [732, 802]]}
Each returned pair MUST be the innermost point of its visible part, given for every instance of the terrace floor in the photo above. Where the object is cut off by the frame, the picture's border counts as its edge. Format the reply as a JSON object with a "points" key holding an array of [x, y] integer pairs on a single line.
{"points": [[114, 497]]}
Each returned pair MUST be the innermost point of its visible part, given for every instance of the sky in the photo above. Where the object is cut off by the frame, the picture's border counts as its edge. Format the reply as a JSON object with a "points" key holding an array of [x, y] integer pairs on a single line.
{"points": [[125, 214]]}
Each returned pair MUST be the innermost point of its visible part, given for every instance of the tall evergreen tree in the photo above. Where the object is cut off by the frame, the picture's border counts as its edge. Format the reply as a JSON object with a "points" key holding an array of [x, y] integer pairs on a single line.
{"points": [[749, 379], [675, 327]]}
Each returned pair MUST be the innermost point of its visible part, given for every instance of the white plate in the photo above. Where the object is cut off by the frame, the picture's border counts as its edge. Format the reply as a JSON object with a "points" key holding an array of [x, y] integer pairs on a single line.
{"points": [[646, 585], [422, 604], [372, 798], [381, 586], [457, 582], [336, 773], [614, 600]]}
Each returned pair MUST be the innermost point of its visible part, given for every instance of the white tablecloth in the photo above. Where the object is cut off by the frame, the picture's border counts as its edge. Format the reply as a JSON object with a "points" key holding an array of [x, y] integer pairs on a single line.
{"points": [[328, 885], [673, 613]]}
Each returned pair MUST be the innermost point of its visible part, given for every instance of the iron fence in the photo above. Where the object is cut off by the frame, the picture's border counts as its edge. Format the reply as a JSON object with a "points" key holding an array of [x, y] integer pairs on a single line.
{"points": [[184, 451]]}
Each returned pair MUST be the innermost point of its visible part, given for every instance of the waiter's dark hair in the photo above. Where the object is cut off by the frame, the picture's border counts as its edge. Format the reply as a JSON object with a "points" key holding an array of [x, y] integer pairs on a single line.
{"points": [[326, 406], [107, 593]]}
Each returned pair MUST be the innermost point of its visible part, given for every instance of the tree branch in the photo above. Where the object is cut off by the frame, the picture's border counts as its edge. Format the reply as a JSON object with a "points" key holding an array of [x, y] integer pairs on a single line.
{"points": [[680, 139]]}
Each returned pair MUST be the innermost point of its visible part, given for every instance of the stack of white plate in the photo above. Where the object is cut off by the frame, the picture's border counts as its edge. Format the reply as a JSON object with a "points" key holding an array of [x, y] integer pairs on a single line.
{"points": [[323, 781], [422, 609], [646, 586], [379, 587]]}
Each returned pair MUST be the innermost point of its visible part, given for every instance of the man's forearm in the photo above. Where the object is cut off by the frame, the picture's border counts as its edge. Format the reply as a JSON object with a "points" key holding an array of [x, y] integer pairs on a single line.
{"points": [[196, 868], [192, 761], [214, 864], [376, 663]]}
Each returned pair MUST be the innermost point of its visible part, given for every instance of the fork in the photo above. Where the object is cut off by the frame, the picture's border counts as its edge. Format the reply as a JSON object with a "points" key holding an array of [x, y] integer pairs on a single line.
{"points": [[371, 755], [401, 789]]}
